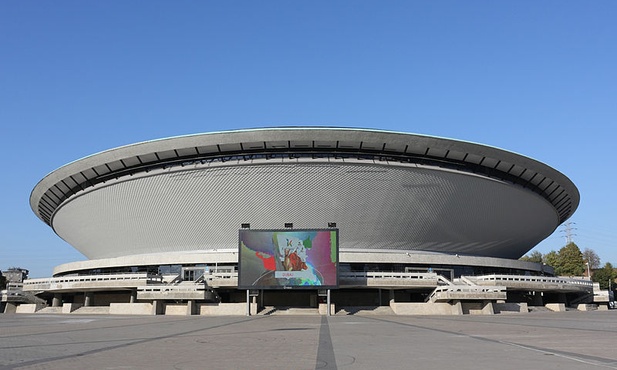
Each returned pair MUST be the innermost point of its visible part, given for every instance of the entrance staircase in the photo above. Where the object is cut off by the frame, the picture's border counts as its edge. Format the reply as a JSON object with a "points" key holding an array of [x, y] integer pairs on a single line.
{"points": [[284, 310]]}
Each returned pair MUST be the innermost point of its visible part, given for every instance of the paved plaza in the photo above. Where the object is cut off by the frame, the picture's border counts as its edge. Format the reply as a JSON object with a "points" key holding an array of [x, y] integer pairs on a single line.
{"points": [[542, 340]]}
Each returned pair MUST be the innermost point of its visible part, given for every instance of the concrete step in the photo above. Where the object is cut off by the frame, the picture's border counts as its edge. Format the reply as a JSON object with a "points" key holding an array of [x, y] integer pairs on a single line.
{"points": [[289, 311], [267, 310], [92, 310], [365, 310], [50, 310]]}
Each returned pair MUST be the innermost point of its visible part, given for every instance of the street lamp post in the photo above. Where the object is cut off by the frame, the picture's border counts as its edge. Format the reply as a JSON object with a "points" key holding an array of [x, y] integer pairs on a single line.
{"points": [[588, 271]]}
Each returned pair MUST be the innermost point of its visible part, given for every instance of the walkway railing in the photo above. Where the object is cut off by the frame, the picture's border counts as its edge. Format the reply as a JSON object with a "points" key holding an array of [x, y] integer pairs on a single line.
{"points": [[384, 279], [94, 281], [462, 292], [534, 282]]}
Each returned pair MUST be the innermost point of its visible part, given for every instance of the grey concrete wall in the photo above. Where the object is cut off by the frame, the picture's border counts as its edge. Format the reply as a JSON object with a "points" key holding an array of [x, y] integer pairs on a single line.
{"points": [[27, 308], [10, 308], [130, 309], [323, 309], [478, 308], [70, 307], [219, 309], [438, 308], [510, 307]]}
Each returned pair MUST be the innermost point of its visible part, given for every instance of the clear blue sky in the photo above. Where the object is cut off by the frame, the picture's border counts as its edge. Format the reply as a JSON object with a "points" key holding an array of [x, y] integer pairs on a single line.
{"points": [[79, 77]]}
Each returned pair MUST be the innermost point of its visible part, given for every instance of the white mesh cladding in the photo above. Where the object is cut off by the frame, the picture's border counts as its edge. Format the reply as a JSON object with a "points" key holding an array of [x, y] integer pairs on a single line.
{"points": [[375, 206]]}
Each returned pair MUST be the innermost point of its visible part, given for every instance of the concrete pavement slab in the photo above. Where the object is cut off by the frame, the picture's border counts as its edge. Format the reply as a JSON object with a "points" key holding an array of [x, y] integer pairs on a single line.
{"points": [[567, 340]]}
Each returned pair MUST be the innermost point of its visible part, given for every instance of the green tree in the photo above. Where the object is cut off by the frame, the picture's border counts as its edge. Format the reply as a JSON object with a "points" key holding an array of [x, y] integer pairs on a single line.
{"points": [[2, 282], [568, 261], [534, 256], [552, 259], [571, 261], [604, 275]]}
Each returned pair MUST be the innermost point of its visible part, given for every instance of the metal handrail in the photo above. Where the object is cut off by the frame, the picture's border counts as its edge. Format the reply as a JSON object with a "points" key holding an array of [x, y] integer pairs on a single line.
{"points": [[535, 279]]}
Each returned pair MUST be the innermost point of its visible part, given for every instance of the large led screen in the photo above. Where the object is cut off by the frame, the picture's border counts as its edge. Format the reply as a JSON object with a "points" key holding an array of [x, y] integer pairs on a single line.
{"points": [[285, 259]]}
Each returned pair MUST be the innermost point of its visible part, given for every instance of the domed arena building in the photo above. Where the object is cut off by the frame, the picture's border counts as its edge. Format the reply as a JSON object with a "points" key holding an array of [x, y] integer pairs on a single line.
{"points": [[422, 224]]}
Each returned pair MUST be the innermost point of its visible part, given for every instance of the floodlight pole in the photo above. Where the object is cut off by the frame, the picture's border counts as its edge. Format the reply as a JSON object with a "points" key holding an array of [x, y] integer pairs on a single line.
{"points": [[328, 303], [248, 303]]}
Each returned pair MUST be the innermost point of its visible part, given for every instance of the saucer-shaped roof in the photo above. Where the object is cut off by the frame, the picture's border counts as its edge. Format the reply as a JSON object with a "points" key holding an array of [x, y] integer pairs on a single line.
{"points": [[383, 189]]}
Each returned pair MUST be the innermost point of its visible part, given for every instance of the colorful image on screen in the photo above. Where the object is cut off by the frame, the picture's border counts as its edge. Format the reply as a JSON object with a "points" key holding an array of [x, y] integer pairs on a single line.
{"points": [[280, 259]]}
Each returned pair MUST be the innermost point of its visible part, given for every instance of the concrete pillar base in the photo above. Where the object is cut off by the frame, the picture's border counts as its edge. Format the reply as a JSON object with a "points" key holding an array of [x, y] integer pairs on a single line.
{"points": [[556, 307], [457, 307], [10, 308], [88, 299], [158, 307], [57, 300], [488, 308], [190, 308]]}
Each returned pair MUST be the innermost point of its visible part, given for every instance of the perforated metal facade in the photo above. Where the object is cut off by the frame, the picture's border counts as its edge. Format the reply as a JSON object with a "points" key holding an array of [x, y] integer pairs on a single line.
{"points": [[388, 191]]}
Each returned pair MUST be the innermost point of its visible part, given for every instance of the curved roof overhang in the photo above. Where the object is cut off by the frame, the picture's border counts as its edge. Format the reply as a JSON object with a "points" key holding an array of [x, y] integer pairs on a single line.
{"points": [[249, 144]]}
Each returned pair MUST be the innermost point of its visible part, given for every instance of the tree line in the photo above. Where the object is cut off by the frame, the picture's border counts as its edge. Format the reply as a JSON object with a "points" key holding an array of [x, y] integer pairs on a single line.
{"points": [[570, 261]]}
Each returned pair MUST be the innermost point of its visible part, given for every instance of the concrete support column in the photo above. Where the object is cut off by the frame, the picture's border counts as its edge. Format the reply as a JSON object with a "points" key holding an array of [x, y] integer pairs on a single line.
{"points": [[391, 296], [157, 307], [57, 300], [190, 307], [133, 296], [88, 299], [329, 307], [248, 303], [314, 300], [261, 298]]}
